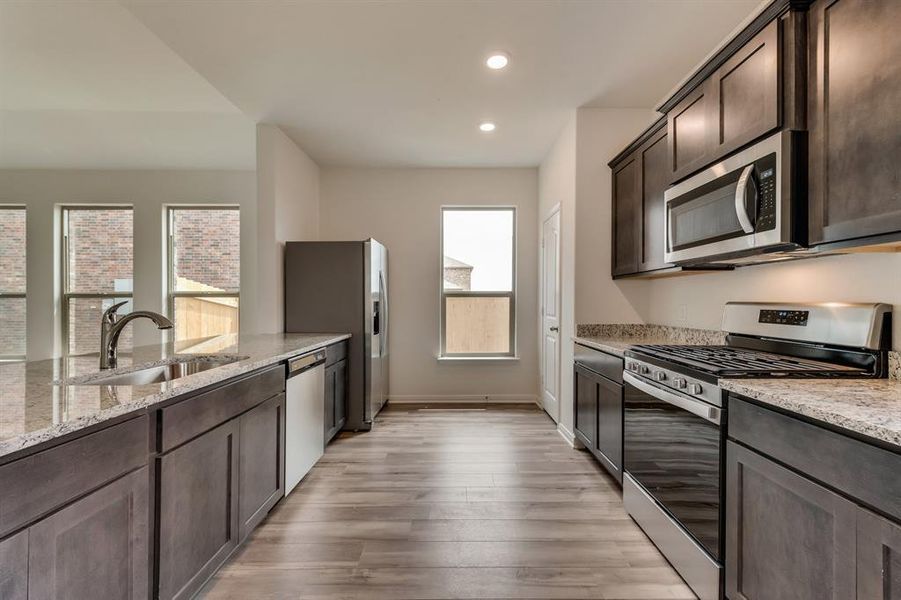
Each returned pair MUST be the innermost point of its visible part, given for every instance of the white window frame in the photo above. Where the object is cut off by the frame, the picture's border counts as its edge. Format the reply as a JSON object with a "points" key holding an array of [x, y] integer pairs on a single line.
{"points": [[66, 295], [17, 295], [171, 293], [444, 294]]}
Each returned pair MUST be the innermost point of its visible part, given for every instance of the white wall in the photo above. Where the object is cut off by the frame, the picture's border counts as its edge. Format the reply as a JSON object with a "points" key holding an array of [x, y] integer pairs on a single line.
{"points": [[401, 208], [287, 210], [849, 278], [557, 186], [148, 191], [600, 135]]}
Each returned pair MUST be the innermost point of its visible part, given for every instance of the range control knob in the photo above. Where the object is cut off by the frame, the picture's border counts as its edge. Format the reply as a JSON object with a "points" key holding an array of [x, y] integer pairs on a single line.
{"points": [[632, 366], [680, 383], [644, 370], [695, 388], [660, 376]]}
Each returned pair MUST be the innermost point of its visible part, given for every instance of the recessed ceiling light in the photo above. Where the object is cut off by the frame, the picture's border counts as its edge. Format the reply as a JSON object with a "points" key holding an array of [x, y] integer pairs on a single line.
{"points": [[498, 60], [487, 126]]}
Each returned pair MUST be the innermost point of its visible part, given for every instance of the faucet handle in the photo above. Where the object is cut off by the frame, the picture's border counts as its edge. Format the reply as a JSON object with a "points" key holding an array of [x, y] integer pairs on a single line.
{"points": [[109, 315]]}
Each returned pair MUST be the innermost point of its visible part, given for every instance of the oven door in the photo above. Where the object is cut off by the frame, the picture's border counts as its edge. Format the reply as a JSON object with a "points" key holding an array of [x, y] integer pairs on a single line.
{"points": [[727, 210], [672, 448]]}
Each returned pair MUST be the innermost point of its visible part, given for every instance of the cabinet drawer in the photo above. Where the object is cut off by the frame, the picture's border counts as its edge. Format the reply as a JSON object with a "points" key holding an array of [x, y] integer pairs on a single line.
{"points": [[335, 353], [185, 420], [33, 486], [860, 470], [605, 364]]}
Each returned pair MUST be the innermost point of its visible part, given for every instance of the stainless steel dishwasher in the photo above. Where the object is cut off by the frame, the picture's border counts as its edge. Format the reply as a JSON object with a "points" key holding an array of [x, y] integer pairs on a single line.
{"points": [[304, 416]]}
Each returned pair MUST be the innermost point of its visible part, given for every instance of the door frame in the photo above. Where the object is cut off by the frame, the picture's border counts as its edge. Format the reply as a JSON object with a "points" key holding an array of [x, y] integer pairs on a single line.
{"points": [[556, 209]]}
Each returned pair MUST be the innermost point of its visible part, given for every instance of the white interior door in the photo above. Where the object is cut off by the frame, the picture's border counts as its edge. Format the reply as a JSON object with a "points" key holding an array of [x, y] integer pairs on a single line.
{"points": [[550, 315]]}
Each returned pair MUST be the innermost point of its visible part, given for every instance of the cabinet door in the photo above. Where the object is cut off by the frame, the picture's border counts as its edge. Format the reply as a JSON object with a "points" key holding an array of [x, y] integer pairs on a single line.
{"points": [[878, 558], [610, 426], [262, 471], [787, 538], [329, 420], [198, 516], [746, 93], [689, 127], [854, 93], [654, 181], [14, 567], [626, 208], [586, 412], [340, 395], [95, 548]]}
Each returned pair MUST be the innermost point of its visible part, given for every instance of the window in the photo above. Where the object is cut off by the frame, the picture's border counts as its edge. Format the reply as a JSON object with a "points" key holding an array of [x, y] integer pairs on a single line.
{"points": [[12, 283], [478, 281], [97, 273], [204, 270]]}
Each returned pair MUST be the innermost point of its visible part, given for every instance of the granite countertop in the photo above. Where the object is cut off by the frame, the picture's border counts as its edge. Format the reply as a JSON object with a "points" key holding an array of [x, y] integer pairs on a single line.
{"points": [[617, 338], [34, 408], [870, 407]]}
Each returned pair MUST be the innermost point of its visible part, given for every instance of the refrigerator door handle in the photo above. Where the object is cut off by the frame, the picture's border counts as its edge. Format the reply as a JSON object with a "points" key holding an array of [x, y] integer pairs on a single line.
{"points": [[383, 303]]}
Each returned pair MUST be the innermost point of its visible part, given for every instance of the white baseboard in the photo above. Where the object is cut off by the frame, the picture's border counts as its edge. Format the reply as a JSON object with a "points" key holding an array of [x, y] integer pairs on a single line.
{"points": [[465, 399], [567, 435]]}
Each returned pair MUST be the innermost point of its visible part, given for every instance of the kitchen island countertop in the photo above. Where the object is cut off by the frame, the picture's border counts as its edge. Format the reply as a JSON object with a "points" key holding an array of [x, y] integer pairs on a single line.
{"points": [[35, 409]]}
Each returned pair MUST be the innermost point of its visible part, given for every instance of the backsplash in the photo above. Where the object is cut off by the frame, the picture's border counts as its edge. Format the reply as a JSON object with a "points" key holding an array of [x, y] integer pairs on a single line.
{"points": [[686, 335], [675, 335]]}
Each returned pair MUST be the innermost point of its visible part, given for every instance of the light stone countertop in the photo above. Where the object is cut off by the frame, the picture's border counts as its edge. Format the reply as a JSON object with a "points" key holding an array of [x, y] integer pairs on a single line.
{"points": [[34, 410], [617, 338], [870, 407]]}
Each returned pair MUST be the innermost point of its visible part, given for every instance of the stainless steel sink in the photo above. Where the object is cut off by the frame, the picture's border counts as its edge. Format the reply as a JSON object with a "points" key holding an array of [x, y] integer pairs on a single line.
{"points": [[157, 373]]}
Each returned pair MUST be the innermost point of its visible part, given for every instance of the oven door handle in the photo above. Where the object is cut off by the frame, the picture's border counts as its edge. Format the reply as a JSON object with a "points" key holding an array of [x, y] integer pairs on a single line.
{"points": [[695, 407], [741, 195]]}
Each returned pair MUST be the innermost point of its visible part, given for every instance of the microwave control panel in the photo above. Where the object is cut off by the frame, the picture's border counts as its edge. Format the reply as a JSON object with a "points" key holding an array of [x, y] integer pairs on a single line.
{"points": [[766, 181]]}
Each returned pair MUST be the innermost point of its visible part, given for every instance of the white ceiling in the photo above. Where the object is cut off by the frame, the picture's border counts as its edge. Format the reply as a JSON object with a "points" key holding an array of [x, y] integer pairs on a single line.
{"points": [[86, 85], [403, 83]]}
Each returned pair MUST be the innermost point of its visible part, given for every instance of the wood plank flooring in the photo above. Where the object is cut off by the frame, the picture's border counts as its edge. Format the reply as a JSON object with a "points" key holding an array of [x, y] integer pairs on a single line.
{"points": [[451, 502]]}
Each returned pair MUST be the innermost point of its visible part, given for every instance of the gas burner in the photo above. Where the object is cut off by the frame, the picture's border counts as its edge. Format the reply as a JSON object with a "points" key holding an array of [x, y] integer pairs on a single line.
{"points": [[731, 361]]}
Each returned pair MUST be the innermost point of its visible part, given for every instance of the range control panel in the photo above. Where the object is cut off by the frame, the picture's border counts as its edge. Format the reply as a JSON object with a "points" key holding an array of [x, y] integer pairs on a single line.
{"points": [[784, 317]]}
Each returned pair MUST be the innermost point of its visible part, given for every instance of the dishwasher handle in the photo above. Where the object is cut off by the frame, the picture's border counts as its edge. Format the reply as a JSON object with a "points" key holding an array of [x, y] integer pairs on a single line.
{"points": [[300, 364]]}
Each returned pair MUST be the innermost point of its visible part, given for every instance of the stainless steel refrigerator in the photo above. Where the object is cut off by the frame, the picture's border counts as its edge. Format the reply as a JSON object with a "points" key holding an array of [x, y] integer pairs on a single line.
{"points": [[342, 287]]}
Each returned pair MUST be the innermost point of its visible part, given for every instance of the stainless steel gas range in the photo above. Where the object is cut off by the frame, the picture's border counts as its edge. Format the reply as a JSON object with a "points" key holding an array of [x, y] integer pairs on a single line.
{"points": [[675, 414]]}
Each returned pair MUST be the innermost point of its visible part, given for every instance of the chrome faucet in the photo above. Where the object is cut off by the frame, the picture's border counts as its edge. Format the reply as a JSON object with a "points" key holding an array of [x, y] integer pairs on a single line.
{"points": [[111, 326]]}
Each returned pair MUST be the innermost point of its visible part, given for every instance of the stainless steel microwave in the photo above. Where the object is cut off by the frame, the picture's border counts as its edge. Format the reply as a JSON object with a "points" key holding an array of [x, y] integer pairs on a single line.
{"points": [[748, 205]]}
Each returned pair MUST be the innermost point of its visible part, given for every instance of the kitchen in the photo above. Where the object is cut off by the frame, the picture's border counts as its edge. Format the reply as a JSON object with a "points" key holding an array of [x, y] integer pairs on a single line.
{"points": [[640, 341]]}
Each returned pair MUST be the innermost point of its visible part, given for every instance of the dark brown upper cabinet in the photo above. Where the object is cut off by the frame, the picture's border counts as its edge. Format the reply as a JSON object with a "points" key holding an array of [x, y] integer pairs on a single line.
{"points": [[626, 206], [854, 121], [738, 103], [640, 176], [689, 127], [654, 181]]}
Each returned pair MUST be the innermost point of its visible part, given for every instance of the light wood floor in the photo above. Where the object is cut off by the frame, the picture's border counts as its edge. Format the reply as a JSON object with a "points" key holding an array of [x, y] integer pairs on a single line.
{"points": [[451, 502]]}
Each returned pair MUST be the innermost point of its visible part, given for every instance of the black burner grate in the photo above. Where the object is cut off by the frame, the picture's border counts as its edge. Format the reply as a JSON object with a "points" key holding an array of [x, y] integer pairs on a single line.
{"points": [[728, 360]]}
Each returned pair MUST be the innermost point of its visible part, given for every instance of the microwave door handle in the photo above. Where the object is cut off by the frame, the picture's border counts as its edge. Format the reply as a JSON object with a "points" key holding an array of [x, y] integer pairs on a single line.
{"points": [[741, 206], [695, 407]]}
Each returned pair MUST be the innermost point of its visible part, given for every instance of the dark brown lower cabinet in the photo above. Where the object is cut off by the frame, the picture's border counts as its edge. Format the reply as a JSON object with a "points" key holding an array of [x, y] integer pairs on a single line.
{"points": [[335, 398], [94, 548], [14, 567], [586, 413], [599, 418], [787, 538], [610, 427], [262, 475], [198, 510], [878, 558]]}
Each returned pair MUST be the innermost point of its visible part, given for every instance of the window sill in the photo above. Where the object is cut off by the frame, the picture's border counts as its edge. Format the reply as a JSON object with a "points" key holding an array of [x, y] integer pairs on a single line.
{"points": [[477, 359]]}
